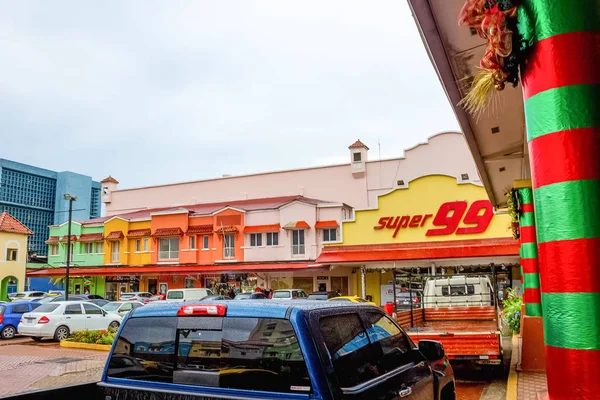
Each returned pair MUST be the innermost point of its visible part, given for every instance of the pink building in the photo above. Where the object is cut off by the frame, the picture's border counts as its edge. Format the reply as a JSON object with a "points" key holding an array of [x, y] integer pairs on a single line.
{"points": [[357, 183]]}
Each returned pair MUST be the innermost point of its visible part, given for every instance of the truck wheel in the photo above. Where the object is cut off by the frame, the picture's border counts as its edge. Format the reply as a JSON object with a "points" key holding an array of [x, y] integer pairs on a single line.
{"points": [[62, 332], [114, 326], [8, 332]]}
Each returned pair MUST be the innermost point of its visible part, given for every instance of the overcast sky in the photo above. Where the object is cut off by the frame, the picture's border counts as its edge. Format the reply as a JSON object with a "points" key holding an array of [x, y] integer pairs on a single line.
{"points": [[167, 91]]}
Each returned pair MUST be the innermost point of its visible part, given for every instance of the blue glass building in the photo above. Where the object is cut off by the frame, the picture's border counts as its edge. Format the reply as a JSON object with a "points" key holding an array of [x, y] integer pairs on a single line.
{"points": [[35, 197]]}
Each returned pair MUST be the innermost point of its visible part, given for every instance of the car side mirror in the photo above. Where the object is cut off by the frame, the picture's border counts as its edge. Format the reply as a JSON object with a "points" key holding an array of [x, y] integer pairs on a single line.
{"points": [[432, 350], [103, 313]]}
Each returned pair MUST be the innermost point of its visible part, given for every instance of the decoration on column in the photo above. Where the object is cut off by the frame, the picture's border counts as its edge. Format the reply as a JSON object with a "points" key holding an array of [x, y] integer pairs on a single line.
{"points": [[561, 90], [512, 204], [495, 21], [529, 256]]}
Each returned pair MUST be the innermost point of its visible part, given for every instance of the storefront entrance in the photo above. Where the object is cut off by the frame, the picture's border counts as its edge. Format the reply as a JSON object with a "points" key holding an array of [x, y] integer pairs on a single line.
{"points": [[340, 283], [115, 285]]}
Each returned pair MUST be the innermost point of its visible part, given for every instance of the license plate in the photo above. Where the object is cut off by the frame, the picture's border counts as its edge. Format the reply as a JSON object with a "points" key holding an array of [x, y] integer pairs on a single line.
{"points": [[30, 320], [488, 362]]}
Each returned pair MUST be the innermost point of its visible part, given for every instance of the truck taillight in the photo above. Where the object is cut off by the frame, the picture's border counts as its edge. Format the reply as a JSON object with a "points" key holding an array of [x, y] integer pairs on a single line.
{"points": [[43, 320], [202, 309]]}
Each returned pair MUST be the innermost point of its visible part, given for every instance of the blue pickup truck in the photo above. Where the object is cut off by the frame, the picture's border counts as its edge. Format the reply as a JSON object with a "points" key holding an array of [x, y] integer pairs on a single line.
{"points": [[251, 350]]}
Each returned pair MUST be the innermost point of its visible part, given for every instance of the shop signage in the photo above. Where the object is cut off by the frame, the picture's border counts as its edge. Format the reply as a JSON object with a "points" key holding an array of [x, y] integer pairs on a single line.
{"points": [[87, 283], [123, 278], [322, 278], [476, 218]]}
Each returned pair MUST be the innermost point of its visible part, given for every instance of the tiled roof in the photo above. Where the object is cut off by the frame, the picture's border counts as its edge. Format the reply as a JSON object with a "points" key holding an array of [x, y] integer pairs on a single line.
{"points": [[262, 228], [357, 145], [91, 237], [165, 232], [93, 221], [326, 224], [227, 229], [115, 235], [109, 179], [10, 224], [65, 238], [53, 239], [297, 225], [138, 233], [199, 229]]}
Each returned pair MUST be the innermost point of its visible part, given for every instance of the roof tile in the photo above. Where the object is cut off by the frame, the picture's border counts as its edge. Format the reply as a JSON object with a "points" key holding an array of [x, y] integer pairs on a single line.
{"points": [[138, 233], [227, 229], [10, 224], [199, 229], [115, 235], [91, 237], [357, 145], [166, 232]]}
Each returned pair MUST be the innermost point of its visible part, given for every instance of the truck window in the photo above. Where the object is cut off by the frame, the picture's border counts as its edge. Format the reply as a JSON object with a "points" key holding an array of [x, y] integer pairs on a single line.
{"points": [[349, 349], [238, 353], [175, 295], [457, 290], [391, 348], [470, 289]]}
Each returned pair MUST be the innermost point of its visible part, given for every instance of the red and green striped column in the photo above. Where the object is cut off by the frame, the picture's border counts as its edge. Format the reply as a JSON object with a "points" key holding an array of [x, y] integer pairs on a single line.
{"points": [[561, 85], [529, 255]]}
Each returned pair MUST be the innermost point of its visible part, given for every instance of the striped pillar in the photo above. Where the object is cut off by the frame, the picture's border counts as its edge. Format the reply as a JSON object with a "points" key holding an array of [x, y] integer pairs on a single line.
{"points": [[529, 256], [561, 88]]}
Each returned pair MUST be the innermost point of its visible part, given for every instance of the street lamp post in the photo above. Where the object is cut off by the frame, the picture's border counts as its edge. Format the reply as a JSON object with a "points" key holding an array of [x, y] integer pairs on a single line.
{"points": [[70, 199]]}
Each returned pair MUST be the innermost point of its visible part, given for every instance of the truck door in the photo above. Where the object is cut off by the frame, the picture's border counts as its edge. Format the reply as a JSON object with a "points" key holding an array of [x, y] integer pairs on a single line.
{"points": [[369, 357]]}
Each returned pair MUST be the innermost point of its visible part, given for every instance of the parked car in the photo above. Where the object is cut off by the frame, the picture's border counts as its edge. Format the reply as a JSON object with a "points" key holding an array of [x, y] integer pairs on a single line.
{"points": [[135, 296], [188, 294], [56, 292], [321, 295], [58, 319], [10, 314], [99, 302], [403, 300], [11, 296], [215, 348], [352, 299], [89, 296], [54, 299], [34, 293], [156, 297], [289, 294], [122, 307], [250, 296], [216, 297]]}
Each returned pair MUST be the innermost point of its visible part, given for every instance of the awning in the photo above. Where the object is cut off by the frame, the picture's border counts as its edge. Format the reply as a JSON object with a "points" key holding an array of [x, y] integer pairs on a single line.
{"points": [[200, 230], [115, 235], [227, 229], [52, 240], [167, 232], [326, 224], [91, 237], [262, 228], [65, 238], [297, 225], [420, 251], [173, 269], [138, 233]]}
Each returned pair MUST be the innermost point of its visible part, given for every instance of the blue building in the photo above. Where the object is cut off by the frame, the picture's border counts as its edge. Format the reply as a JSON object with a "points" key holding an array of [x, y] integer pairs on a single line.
{"points": [[35, 197]]}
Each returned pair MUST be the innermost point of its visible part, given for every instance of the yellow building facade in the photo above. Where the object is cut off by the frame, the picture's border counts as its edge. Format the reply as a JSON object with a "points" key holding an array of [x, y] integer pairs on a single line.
{"points": [[13, 259]]}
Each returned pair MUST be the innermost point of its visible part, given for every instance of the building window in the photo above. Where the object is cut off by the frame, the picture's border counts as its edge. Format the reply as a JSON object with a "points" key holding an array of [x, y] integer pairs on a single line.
{"points": [[188, 283], [11, 254], [53, 249], [357, 157], [298, 242], [192, 242], [205, 242], [228, 247], [114, 251], [145, 244], [168, 249], [138, 245], [98, 247], [255, 239], [330, 235], [88, 248], [272, 238], [71, 251]]}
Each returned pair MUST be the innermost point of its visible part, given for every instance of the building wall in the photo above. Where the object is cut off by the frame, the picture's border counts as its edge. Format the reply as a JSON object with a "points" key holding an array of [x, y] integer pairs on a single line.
{"points": [[116, 225], [76, 185], [61, 258], [12, 268], [139, 257], [449, 150]]}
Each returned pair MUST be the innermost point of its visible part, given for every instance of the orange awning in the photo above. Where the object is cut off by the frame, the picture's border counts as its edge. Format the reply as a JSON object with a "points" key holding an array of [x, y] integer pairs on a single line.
{"points": [[53, 239], [65, 238], [167, 232], [326, 224], [227, 229], [297, 225], [200, 230], [262, 228], [420, 251], [90, 237], [138, 233], [115, 235]]}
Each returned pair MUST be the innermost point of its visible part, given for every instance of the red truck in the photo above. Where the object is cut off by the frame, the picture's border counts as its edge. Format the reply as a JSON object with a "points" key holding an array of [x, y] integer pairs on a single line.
{"points": [[460, 312]]}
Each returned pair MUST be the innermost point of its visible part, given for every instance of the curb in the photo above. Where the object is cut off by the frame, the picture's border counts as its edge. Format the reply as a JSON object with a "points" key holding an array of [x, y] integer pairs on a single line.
{"points": [[85, 346], [511, 384]]}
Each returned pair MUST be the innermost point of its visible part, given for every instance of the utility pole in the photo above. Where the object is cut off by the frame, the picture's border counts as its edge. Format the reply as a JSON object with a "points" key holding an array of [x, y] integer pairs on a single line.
{"points": [[70, 199]]}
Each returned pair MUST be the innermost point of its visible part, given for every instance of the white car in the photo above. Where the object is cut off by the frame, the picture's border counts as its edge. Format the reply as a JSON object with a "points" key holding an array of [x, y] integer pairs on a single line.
{"points": [[20, 295], [188, 294], [121, 307], [59, 319]]}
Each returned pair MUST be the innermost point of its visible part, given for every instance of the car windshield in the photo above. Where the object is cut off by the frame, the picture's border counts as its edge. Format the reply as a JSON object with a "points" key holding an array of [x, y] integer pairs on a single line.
{"points": [[127, 295], [47, 308], [243, 296], [281, 295], [111, 306], [44, 300], [317, 297]]}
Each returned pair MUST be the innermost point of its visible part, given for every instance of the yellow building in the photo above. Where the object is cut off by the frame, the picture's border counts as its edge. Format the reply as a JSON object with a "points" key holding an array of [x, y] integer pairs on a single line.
{"points": [[13, 259]]}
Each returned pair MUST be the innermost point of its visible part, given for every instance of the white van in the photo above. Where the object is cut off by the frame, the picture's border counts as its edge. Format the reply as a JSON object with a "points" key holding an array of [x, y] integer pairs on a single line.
{"points": [[188, 294], [458, 291]]}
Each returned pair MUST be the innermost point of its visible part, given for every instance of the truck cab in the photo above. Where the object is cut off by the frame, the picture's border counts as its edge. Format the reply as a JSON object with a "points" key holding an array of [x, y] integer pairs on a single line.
{"points": [[458, 291]]}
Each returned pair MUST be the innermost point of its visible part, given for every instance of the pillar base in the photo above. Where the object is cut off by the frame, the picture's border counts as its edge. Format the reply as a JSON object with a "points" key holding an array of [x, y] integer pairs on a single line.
{"points": [[543, 395], [533, 351]]}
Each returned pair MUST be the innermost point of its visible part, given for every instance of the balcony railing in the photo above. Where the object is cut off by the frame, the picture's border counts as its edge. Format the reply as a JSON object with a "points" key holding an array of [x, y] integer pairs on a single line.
{"points": [[168, 255]]}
